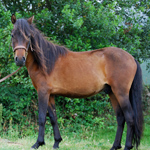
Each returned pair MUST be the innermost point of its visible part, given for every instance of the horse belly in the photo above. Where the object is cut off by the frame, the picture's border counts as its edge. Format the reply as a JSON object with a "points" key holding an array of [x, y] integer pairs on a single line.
{"points": [[77, 88], [78, 75]]}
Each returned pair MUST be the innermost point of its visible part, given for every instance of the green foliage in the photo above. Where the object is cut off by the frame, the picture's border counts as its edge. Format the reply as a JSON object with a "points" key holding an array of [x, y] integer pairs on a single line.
{"points": [[81, 26], [83, 23], [146, 99], [1, 109], [19, 107], [89, 112]]}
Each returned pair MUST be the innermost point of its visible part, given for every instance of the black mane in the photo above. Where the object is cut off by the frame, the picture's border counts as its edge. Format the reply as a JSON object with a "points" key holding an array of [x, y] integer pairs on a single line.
{"points": [[45, 53]]}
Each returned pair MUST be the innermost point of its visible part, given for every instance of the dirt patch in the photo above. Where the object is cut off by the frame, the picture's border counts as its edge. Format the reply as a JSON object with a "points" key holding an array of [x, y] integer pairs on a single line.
{"points": [[9, 142]]}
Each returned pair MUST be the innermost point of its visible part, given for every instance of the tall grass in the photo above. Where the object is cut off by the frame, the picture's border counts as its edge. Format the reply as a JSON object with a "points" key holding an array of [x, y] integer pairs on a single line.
{"points": [[83, 139]]}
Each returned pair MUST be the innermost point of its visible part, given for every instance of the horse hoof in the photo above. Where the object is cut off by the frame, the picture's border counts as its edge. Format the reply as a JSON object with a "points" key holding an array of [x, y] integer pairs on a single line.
{"points": [[56, 144], [37, 144], [128, 148], [116, 147]]}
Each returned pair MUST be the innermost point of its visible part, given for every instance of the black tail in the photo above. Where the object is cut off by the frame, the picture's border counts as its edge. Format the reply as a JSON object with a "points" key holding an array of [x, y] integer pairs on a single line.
{"points": [[136, 102]]}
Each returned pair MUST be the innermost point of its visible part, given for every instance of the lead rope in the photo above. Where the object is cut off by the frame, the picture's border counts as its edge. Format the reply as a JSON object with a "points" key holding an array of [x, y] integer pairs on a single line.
{"points": [[1, 80]]}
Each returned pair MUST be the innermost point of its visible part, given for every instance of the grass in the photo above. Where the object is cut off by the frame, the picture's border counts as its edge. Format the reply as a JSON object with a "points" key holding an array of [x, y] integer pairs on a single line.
{"points": [[94, 139]]}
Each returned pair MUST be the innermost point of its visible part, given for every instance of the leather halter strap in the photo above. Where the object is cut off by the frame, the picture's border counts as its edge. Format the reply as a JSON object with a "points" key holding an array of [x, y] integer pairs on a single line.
{"points": [[20, 47]]}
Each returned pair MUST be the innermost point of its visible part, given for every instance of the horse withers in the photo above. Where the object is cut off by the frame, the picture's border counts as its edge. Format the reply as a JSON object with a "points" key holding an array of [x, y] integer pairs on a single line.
{"points": [[55, 70]]}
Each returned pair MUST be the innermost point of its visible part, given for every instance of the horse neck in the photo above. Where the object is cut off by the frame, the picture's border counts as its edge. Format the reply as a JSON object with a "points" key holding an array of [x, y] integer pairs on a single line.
{"points": [[29, 60]]}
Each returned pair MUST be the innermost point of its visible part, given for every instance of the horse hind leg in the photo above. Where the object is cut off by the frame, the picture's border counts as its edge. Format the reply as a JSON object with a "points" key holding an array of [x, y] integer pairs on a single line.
{"points": [[120, 122], [53, 119], [124, 102]]}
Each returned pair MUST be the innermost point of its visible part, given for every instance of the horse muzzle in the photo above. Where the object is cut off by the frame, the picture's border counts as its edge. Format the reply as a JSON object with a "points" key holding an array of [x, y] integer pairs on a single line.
{"points": [[20, 61], [20, 58]]}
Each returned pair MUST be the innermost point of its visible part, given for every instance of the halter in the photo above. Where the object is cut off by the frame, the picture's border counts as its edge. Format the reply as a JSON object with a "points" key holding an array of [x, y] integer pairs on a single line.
{"points": [[23, 47], [20, 47]]}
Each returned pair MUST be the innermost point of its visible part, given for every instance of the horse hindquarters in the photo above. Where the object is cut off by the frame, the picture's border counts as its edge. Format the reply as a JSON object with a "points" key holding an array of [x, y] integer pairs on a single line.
{"points": [[130, 103]]}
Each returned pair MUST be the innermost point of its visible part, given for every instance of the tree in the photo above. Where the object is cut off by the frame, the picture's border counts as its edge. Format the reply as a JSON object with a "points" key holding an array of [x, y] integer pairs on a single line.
{"points": [[80, 25]]}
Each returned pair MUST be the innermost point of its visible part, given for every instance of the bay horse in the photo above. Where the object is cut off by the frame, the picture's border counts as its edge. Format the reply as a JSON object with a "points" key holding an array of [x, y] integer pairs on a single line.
{"points": [[55, 70]]}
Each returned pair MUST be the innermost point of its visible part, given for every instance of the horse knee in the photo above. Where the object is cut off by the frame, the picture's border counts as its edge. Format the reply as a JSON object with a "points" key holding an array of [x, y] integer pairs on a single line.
{"points": [[129, 117], [52, 119], [127, 111], [41, 121], [130, 122]]}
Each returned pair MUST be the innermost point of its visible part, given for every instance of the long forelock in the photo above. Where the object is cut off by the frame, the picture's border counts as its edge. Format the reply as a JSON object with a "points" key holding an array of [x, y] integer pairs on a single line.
{"points": [[22, 27]]}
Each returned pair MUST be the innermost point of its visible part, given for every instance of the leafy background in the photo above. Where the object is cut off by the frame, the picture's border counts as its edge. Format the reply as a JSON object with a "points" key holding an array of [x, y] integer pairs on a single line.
{"points": [[80, 26]]}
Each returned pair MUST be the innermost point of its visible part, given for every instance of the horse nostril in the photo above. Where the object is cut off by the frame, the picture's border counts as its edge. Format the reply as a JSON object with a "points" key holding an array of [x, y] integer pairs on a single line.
{"points": [[24, 59], [16, 59]]}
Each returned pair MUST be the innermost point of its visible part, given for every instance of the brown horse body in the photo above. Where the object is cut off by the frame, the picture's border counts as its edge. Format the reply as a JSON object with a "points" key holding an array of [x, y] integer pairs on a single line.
{"points": [[75, 72], [55, 70]]}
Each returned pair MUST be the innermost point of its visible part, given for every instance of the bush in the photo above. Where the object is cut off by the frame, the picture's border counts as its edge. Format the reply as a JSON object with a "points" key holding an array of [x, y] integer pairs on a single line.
{"points": [[81, 26]]}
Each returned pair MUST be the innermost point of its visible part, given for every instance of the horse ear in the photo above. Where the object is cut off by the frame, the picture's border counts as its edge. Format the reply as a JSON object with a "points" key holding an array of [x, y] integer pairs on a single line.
{"points": [[30, 20], [13, 19]]}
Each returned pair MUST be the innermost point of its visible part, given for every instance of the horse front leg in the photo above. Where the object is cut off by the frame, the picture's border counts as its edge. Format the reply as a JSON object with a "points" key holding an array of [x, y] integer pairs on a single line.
{"points": [[53, 119], [43, 98]]}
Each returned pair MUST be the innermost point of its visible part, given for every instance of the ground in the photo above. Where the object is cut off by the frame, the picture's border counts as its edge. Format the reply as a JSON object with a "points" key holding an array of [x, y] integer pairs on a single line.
{"points": [[93, 140]]}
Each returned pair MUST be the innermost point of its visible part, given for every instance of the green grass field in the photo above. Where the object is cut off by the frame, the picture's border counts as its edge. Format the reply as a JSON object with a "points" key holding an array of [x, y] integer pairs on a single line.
{"points": [[102, 139]]}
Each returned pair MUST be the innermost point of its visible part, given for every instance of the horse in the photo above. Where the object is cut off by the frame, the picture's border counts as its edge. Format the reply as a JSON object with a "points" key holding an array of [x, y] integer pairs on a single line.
{"points": [[56, 70]]}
